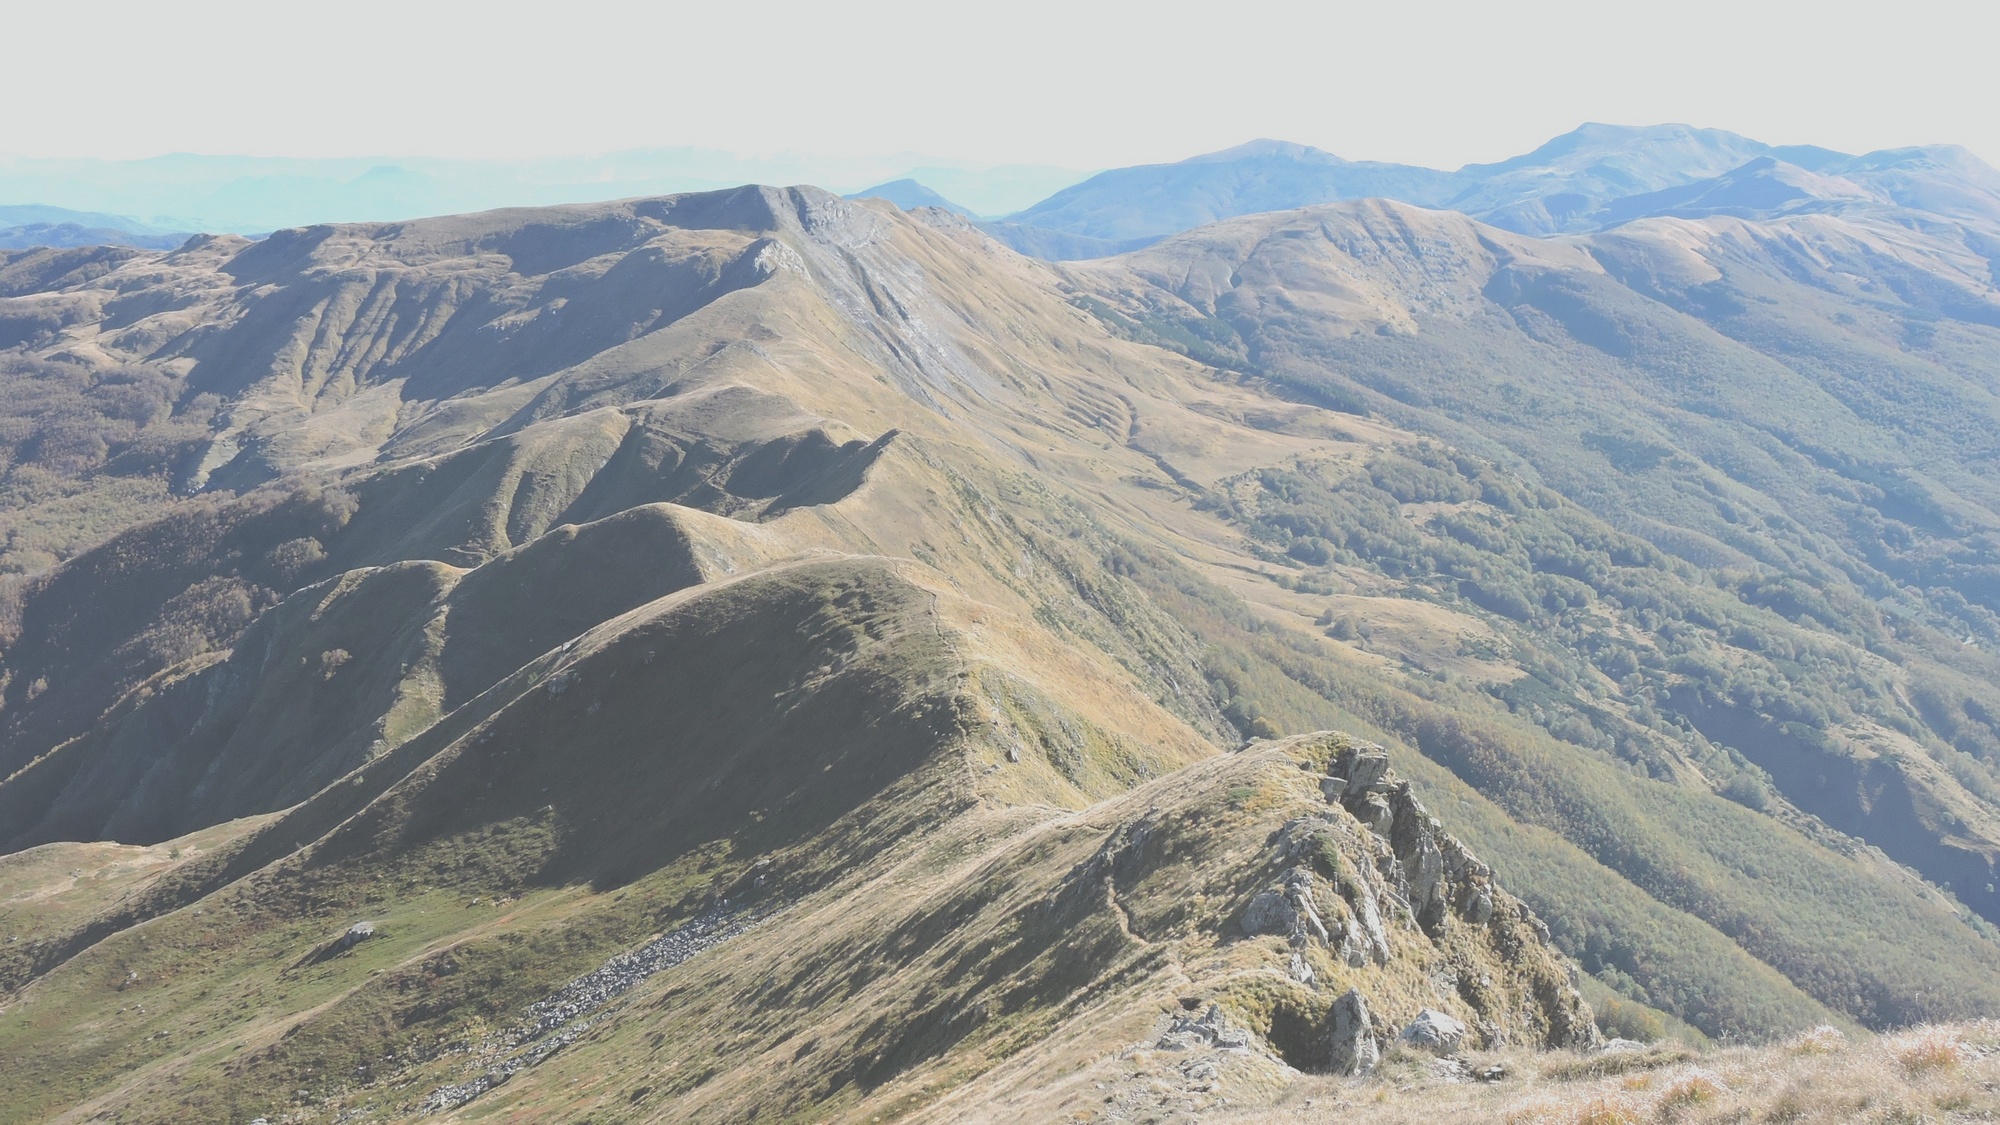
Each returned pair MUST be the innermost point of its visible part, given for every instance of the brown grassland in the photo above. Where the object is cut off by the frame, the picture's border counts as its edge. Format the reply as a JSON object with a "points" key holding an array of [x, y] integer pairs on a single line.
{"points": [[1938, 1073]]}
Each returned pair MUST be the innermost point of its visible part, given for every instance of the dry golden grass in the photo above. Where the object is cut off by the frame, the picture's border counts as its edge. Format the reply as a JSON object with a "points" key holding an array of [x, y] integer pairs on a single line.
{"points": [[1933, 1074], [1928, 1051], [1821, 1040]]}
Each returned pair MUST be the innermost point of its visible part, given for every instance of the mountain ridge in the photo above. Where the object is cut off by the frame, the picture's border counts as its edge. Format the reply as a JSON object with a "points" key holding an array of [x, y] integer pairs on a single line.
{"points": [[1591, 178], [26, 226], [971, 620]]}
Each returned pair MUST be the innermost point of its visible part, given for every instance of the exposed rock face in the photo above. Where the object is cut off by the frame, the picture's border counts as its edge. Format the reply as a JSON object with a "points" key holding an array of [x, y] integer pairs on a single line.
{"points": [[1439, 878], [1351, 1036], [1288, 910], [1433, 1030], [1373, 898]]}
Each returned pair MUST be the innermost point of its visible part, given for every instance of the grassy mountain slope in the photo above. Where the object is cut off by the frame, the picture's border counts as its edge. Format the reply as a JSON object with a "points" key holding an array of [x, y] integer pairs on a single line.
{"points": [[827, 589], [1757, 600]]}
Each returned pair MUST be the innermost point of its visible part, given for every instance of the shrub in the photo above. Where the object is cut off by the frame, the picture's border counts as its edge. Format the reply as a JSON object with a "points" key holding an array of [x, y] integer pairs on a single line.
{"points": [[1625, 1020], [1928, 1053], [1690, 1092], [1746, 790]]}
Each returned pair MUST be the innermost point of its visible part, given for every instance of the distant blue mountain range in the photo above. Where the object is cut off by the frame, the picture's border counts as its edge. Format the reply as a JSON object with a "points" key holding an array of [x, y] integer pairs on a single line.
{"points": [[1591, 178], [251, 195], [26, 225]]}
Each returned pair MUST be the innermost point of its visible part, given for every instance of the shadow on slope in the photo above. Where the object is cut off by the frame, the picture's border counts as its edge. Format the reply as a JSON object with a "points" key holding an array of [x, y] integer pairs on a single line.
{"points": [[763, 709], [166, 600], [343, 671], [732, 450]]}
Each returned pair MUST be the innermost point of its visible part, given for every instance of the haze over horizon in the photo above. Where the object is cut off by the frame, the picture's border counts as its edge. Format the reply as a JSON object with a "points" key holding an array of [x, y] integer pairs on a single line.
{"points": [[1073, 87]]}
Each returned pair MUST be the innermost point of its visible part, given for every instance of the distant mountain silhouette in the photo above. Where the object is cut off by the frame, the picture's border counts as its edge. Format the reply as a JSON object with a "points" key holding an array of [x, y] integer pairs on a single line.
{"points": [[28, 225], [910, 195], [1591, 178]]}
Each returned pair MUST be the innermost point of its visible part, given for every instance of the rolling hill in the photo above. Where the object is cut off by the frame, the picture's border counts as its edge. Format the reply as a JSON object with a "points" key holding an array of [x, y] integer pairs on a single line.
{"points": [[754, 652]]}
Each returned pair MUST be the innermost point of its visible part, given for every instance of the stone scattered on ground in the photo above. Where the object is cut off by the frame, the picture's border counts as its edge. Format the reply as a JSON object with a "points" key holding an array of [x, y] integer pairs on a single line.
{"points": [[1211, 1029], [561, 1018]]}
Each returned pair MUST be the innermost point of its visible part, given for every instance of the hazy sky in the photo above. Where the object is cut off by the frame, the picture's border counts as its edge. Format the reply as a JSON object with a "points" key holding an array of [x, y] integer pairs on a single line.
{"points": [[1072, 82]]}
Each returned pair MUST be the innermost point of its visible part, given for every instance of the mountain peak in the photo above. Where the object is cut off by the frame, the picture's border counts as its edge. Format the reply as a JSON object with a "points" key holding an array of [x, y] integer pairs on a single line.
{"points": [[908, 195], [1263, 147], [1953, 158], [1667, 146]]}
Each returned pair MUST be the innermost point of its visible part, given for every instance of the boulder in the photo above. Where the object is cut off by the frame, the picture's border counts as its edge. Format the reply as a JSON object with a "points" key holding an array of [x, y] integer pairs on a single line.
{"points": [[1477, 904], [355, 935], [1351, 1048], [1433, 1030], [325, 951]]}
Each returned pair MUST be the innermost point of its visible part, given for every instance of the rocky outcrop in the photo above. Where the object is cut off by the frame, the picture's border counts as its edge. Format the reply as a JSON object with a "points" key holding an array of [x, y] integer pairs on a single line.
{"points": [[1288, 910], [1374, 899], [1437, 877]]}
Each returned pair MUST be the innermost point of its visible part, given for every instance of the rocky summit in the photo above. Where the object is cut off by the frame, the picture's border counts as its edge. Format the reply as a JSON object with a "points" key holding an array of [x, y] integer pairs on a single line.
{"points": [[758, 655]]}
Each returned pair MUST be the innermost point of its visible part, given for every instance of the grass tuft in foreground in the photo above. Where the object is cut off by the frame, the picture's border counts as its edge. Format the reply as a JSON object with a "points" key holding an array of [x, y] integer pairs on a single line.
{"points": [[1942, 1073]]}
